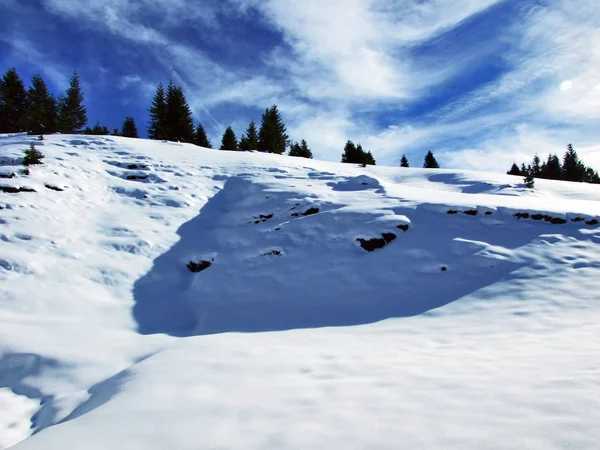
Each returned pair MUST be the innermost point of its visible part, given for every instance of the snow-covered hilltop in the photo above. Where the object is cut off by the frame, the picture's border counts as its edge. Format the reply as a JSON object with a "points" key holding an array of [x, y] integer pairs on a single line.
{"points": [[160, 295]]}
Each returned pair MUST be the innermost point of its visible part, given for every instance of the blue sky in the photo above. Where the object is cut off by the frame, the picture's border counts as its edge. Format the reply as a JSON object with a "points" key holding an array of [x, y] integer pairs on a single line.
{"points": [[479, 82]]}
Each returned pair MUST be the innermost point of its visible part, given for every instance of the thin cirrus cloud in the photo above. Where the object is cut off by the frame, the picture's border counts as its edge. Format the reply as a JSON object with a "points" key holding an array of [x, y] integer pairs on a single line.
{"points": [[480, 83]]}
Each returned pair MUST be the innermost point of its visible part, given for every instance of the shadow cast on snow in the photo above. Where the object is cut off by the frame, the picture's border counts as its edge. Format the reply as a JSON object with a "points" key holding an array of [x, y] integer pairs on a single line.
{"points": [[321, 279]]}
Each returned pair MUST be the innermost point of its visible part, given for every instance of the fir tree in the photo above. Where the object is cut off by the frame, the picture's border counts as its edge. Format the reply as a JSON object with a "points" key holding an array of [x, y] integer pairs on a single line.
{"points": [[180, 125], [350, 154], [229, 141], [295, 149], [272, 136], [13, 102], [97, 130], [368, 159], [514, 170], [572, 169], [528, 180], [404, 161], [430, 161], [249, 140], [300, 149], [536, 167], [158, 120], [32, 156], [128, 129], [72, 115], [115, 132], [42, 110], [200, 137], [552, 169]]}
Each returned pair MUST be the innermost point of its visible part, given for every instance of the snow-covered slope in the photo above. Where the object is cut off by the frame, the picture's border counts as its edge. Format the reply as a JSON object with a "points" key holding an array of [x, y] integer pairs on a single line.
{"points": [[476, 325]]}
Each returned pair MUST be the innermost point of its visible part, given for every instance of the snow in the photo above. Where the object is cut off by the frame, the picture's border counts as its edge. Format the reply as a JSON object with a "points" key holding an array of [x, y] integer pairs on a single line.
{"points": [[470, 329]]}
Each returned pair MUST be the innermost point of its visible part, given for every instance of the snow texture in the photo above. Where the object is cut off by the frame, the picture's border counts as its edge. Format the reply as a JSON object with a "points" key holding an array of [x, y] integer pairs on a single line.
{"points": [[472, 323]]}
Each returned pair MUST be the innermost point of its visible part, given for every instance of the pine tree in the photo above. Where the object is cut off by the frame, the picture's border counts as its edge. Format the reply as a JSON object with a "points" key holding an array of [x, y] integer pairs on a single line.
{"points": [[572, 169], [72, 115], [200, 137], [272, 136], [528, 180], [514, 170], [553, 170], [229, 141], [42, 110], [115, 132], [249, 140], [304, 150], [179, 122], [430, 161], [158, 120], [97, 130], [295, 150], [350, 154], [32, 156], [128, 129], [13, 102], [536, 168], [404, 161], [368, 159]]}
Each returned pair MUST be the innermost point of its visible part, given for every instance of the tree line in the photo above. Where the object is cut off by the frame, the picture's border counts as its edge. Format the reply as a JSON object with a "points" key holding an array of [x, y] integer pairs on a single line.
{"points": [[571, 168], [36, 110]]}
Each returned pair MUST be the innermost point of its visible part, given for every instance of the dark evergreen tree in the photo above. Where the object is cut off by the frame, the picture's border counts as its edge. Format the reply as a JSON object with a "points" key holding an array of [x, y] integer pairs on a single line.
{"points": [[404, 161], [351, 154], [128, 129], [430, 161], [514, 170], [97, 130], [115, 132], [368, 159], [200, 137], [304, 150], [157, 127], [536, 167], [301, 150], [272, 136], [249, 140], [32, 156], [524, 169], [180, 125], [552, 169], [528, 180], [13, 103], [72, 115], [572, 169], [42, 110], [229, 141]]}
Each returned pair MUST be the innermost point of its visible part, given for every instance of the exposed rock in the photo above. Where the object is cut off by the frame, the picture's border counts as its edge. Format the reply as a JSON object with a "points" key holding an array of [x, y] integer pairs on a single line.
{"points": [[371, 244], [403, 227], [578, 219], [196, 267], [15, 190], [54, 188], [592, 222], [452, 211], [389, 237], [557, 221], [470, 212], [8, 175], [310, 211], [522, 215], [273, 253]]}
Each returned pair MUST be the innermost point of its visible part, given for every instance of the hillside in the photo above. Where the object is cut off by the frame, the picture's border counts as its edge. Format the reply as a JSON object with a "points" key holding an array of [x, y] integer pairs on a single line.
{"points": [[474, 325]]}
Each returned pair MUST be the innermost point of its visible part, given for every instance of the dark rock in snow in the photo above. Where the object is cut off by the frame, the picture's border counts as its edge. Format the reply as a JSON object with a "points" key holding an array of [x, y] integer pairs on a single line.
{"points": [[389, 237], [557, 221], [470, 212], [592, 222], [196, 267], [15, 190], [452, 211], [371, 244], [310, 211], [403, 227], [54, 188], [522, 215]]}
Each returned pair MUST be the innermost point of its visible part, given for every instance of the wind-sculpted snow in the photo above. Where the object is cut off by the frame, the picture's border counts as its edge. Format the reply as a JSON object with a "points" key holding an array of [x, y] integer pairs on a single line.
{"points": [[323, 305]]}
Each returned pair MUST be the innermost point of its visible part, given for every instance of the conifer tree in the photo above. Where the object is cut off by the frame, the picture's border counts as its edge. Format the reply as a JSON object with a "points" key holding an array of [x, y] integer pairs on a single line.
{"points": [[115, 132], [404, 161], [368, 159], [32, 156], [572, 169], [72, 115], [180, 125], [97, 130], [249, 140], [350, 154], [304, 150], [128, 129], [536, 167], [430, 161], [272, 136], [229, 141], [200, 137], [42, 110], [295, 149], [514, 170], [13, 102], [158, 120]]}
